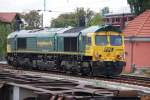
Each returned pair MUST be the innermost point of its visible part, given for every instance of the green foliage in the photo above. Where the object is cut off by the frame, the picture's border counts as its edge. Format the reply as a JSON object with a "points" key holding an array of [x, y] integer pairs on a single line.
{"points": [[33, 19], [96, 20], [64, 20], [78, 18], [105, 10], [5, 29], [139, 6]]}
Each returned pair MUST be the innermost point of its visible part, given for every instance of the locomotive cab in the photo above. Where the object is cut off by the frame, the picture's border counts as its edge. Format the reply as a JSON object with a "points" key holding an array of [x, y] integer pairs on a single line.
{"points": [[108, 46], [105, 46], [107, 52]]}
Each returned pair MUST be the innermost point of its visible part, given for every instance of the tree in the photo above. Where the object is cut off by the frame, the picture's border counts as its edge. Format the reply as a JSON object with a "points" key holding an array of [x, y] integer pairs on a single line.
{"points": [[139, 6], [5, 29], [83, 16], [105, 10], [33, 19], [64, 20], [80, 15], [96, 20], [78, 18]]}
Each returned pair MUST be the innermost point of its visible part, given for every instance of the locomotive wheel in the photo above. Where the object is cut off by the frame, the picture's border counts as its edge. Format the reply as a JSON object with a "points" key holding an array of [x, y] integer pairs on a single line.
{"points": [[15, 64], [86, 71], [73, 70], [108, 69], [113, 70], [9, 62], [117, 70]]}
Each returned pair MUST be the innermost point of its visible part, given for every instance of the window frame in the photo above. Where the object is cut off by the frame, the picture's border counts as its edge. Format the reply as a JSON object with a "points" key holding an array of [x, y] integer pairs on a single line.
{"points": [[103, 41], [115, 44], [87, 41]]}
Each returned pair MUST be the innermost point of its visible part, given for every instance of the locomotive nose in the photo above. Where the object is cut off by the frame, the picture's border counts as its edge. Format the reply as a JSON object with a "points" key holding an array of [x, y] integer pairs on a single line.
{"points": [[109, 54]]}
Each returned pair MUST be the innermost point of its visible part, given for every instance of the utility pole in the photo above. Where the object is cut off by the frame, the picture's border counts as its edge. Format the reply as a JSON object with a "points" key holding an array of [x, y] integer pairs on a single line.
{"points": [[43, 13], [43, 10], [44, 5]]}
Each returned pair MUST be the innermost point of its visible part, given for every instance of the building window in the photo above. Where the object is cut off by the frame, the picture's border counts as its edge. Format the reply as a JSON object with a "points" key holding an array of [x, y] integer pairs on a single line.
{"points": [[107, 20], [125, 19], [117, 19], [113, 20], [130, 18]]}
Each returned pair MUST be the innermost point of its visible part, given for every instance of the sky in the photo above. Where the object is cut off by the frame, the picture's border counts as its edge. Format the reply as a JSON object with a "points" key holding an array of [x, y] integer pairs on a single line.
{"points": [[62, 6]]}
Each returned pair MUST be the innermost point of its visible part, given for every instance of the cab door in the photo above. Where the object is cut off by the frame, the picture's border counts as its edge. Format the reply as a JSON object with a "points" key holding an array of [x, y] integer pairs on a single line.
{"points": [[89, 47]]}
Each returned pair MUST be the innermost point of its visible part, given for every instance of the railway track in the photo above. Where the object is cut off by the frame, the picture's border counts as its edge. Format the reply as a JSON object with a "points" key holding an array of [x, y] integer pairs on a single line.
{"points": [[61, 89], [69, 89], [133, 80]]}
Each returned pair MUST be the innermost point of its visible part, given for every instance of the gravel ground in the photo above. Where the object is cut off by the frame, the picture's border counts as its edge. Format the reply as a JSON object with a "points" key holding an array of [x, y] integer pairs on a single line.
{"points": [[144, 72]]}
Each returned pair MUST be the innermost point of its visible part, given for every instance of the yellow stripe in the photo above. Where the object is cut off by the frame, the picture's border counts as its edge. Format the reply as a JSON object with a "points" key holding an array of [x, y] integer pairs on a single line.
{"points": [[44, 52]]}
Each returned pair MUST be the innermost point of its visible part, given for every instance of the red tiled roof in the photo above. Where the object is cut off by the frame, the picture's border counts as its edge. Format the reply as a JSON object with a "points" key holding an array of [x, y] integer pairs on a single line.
{"points": [[7, 17], [140, 26]]}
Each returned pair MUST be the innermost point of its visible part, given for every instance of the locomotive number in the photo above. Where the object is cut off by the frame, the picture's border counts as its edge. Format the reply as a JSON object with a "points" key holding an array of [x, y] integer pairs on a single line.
{"points": [[108, 49]]}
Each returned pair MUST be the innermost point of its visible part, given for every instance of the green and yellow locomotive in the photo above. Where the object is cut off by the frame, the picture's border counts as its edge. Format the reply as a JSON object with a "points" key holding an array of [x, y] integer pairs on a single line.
{"points": [[97, 50]]}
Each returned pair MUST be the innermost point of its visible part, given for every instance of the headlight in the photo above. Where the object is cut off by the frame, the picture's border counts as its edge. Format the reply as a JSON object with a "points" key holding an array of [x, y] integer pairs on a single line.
{"points": [[121, 56]]}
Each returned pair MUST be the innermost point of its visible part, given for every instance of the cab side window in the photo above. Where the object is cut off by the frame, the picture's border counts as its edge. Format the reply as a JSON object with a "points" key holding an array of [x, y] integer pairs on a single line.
{"points": [[89, 40]]}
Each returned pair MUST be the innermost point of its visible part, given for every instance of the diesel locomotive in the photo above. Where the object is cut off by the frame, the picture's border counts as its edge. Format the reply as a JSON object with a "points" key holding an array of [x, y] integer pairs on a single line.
{"points": [[96, 50]]}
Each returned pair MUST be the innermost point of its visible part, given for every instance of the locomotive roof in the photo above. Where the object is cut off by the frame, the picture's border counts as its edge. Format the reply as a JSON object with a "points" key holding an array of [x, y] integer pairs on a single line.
{"points": [[99, 28], [63, 32], [74, 30], [37, 33], [69, 34]]}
